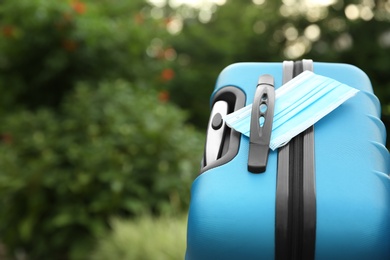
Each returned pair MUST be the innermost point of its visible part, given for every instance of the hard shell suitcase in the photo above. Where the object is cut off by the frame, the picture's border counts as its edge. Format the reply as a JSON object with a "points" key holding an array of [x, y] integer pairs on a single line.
{"points": [[325, 195]]}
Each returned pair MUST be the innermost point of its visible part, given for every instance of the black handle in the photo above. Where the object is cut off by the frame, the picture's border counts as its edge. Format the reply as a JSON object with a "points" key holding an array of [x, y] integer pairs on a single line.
{"points": [[261, 124]]}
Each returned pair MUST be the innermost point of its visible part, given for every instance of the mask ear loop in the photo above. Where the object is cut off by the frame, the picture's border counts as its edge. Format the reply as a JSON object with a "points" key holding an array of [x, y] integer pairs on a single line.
{"points": [[261, 124]]}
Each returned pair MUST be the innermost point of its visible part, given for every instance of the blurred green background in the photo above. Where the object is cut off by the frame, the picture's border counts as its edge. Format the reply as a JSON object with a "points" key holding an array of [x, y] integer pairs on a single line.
{"points": [[104, 105]]}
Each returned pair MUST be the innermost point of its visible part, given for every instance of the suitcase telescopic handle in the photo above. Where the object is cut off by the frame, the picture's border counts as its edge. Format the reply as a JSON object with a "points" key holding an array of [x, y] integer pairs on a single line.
{"points": [[261, 124]]}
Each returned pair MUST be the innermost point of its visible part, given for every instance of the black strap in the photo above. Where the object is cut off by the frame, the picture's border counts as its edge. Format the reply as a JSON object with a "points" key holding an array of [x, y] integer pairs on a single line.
{"points": [[295, 229]]}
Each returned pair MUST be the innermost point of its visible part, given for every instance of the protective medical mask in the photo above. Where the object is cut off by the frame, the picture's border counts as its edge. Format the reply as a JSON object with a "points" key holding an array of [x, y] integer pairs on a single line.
{"points": [[299, 104]]}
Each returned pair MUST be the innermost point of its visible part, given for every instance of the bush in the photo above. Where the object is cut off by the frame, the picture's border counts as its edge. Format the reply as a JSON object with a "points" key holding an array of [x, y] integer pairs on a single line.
{"points": [[112, 150], [47, 46], [144, 238]]}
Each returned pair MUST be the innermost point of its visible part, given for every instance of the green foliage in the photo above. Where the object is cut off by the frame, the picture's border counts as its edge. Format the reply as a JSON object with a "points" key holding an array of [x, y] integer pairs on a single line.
{"points": [[112, 150], [144, 238], [47, 46]]}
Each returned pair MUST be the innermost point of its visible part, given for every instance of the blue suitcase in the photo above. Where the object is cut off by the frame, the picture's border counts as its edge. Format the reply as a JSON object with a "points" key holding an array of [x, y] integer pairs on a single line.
{"points": [[325, 195]]}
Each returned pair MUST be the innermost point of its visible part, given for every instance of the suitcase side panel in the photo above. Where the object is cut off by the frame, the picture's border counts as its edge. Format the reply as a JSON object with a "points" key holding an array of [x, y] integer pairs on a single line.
{"points": [[226, 224], [352, 166]]}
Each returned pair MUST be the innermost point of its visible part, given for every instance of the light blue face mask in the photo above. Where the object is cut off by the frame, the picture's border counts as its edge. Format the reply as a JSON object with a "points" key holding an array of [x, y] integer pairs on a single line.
{"points": [[300, 103]]}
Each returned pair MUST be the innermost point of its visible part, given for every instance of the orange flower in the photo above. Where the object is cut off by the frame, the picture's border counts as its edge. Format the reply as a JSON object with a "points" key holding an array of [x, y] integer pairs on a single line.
{"points": [[67, 17], [160, 54], [64, 22], [8, 31], [6, 138], [168, 20], [79, 7], [167, 74], [163, 96], [69, 45], [170, 54], [139, 18]]}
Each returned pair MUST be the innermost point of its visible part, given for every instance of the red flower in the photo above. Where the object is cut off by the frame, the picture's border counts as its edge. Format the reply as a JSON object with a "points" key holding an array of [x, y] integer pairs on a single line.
{"points": [[6, 138], [67, 17], [168, 20], [69, 45], [167, 74], [170, 54], [8, 31], [163, 96], [79, 7], [64, 22], [139, 18], [160, 54]]}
